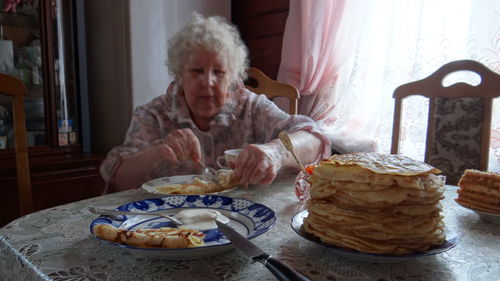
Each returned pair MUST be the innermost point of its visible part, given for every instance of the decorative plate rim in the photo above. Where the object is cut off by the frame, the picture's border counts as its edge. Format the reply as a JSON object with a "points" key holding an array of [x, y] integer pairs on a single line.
{"points": [[479, 211], [491, 217], [252, 211], [452, 239]]}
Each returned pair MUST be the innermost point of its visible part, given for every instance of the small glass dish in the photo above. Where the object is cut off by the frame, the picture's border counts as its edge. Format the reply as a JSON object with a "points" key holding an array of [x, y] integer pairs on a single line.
{"points": [[302, 186]]}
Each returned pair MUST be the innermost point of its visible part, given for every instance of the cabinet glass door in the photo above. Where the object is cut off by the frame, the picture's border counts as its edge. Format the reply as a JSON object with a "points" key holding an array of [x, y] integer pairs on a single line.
{"points": [[37, 46], [65, 74], [21, 56]]}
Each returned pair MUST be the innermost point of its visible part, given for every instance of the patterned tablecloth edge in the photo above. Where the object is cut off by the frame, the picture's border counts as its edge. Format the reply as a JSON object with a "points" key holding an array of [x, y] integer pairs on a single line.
{"points": [[12, 264]]}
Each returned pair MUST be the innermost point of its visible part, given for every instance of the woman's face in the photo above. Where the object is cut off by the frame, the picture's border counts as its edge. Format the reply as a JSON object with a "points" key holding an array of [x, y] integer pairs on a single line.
{"points": [[205, 82]]}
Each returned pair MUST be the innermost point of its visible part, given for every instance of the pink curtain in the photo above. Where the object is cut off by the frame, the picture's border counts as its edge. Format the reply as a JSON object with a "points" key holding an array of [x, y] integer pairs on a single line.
{"points": [[346, 57], [319, 36]]}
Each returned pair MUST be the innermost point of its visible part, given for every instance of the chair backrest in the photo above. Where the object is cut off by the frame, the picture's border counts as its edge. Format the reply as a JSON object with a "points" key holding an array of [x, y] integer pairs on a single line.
{"points": [[459, 119], [12, 86], [260, 83]]}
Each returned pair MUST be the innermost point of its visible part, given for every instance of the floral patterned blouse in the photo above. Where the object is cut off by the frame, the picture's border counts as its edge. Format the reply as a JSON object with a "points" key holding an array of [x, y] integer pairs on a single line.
{"points": [[246, 118]]}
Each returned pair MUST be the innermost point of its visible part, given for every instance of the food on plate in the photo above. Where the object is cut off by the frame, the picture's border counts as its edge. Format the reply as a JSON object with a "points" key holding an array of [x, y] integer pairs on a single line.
{"points": [[201, 219], [164, 237], [480, 190], [376, 203], [200, 186]]}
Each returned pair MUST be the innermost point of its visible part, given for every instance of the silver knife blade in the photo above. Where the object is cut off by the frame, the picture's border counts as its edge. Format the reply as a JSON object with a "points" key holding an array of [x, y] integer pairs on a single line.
{"points": [[281, 270], [241, 242]]}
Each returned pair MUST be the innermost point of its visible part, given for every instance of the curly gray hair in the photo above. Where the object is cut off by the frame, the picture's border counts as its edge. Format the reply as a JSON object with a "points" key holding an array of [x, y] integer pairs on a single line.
{"points": [[214, 34]]}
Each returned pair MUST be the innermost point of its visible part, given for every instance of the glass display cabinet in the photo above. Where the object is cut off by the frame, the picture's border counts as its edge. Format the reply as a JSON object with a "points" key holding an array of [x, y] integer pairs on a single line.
{"points": [[42, 42]]}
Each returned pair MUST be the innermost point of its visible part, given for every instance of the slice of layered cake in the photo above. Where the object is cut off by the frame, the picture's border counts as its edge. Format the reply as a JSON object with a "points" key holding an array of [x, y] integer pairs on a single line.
{"points": [[480, 190], [376, 203]]}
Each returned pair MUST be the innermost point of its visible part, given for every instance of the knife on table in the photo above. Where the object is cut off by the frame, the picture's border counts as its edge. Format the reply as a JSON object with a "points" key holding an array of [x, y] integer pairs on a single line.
{"points": [[281, 270]]}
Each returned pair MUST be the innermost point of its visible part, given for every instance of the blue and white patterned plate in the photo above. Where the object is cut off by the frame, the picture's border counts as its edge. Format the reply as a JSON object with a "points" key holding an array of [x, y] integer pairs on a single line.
{"points": [[248, 218], [297, 221]]}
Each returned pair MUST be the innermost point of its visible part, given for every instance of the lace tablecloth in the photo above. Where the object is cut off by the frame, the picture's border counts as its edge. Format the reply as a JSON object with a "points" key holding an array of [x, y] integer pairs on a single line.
{"points": [[56, 244]]}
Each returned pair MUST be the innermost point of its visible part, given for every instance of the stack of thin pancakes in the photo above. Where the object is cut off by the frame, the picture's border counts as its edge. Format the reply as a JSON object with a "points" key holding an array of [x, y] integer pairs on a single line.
{"points": [[480, 190], [376, 203]]}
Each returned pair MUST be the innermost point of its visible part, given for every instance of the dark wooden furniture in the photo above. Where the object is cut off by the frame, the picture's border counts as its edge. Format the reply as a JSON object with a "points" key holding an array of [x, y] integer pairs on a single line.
{"points": [[459, 120], [48, 46], [259, 83], [261, 24]]}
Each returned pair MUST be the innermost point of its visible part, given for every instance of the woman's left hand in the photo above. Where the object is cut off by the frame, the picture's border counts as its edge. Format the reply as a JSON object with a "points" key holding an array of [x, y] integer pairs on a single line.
{"points": [[258, 163]]}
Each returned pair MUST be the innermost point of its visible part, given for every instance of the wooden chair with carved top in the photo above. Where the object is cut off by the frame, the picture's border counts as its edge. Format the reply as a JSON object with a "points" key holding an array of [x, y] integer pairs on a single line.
{"points": [[13, 87], [459, 118], [260, 83]]}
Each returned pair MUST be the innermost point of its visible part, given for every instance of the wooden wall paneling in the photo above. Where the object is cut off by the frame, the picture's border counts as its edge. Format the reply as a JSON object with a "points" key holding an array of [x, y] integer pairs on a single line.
{"points": [[265, 25], [253, 8], [261, 24], [265, 54]]}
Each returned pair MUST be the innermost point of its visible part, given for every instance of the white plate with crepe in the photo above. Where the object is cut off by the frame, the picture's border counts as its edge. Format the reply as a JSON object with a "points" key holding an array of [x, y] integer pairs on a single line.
{"points": [[485, 216], [297, 221], [248, 218], [183, 185]]}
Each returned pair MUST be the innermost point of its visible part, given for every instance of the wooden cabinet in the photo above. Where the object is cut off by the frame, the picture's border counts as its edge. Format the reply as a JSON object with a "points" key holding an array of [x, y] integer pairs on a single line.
{"points": [[42, 42]]}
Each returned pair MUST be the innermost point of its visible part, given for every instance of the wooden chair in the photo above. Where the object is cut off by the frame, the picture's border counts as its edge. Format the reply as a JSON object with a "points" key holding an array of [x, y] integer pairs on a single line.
{"points": [[459, 120], [260, 83], [12, 86]]}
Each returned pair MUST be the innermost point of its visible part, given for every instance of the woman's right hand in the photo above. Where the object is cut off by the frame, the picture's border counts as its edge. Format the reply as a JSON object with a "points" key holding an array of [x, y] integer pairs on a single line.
{"points": [[181, 146]]}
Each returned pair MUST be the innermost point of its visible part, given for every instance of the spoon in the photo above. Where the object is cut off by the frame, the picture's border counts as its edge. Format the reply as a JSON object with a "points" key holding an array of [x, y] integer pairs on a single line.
{"points": [[108, 212], [201, 219], [287, 143]]}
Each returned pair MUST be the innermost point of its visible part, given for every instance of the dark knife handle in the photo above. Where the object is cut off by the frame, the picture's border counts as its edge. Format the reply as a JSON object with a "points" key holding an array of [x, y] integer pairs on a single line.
{"points": [[282, 271]]}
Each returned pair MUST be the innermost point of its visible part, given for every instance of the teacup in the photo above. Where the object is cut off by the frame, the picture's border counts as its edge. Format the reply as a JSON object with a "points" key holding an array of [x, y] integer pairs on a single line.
{"points": [[229, 157]]}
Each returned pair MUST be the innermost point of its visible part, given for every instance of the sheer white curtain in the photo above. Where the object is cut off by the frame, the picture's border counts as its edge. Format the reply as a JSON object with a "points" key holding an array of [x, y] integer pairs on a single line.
{"points": [[399, 42], [320, 38]]}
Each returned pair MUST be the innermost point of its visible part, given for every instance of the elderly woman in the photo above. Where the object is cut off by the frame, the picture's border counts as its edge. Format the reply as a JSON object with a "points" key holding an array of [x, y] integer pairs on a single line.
{"points": [[206, 111]]}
